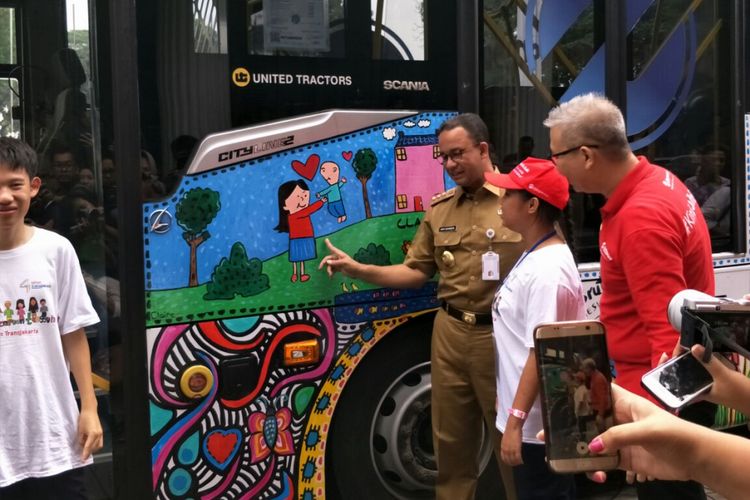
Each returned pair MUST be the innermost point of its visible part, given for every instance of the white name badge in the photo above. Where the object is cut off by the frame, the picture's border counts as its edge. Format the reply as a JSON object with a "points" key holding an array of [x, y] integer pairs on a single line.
{"points": [[490, 266]]}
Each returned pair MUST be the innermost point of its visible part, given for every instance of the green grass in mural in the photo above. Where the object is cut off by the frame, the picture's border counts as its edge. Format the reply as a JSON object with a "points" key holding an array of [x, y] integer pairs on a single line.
{"points": [[188, 305]]}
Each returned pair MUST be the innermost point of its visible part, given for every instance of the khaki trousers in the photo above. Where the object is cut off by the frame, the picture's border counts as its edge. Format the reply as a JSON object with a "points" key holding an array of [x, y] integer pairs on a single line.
{"points": [[463, 395]]}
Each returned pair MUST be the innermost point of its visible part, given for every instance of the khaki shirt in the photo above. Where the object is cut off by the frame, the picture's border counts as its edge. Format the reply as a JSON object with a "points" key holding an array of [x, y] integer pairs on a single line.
{"points": [[457, 222]]}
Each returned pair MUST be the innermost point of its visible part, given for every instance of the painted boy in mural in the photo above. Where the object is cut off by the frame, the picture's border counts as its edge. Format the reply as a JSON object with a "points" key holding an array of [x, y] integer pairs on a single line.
{"points": [[294, 218], [331, 173]]}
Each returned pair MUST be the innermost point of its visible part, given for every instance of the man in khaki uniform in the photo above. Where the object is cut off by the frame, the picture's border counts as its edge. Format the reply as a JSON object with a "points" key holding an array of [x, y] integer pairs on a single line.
{"points": [[454, 238]]}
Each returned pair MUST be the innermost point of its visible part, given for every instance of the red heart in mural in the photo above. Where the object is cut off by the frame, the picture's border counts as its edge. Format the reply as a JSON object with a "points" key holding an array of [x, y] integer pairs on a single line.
{"points": [[347, 155], [307, 169], [222, 445]]}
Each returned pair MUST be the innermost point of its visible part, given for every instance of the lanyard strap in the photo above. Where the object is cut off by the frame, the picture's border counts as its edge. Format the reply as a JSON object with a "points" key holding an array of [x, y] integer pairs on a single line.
{"points": [[527, 252]]}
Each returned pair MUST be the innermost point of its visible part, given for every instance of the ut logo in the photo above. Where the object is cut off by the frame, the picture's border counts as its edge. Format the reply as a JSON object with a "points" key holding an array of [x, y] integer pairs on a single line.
{"points": [[658, 86], [241, 77]]}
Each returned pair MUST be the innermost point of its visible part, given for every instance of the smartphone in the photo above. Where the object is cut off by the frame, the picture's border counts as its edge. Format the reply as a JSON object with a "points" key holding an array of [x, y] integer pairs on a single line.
{"points": [[678, 381], [728, 317], [575, 392]]}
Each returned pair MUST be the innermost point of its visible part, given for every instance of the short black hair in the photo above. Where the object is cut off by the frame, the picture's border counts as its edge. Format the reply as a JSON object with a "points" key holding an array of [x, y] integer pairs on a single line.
{"points": [[17, 155], [471, 122]]}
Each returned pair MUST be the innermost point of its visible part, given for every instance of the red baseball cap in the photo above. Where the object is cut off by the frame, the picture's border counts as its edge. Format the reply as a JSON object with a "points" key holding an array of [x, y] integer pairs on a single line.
{"points": [[538, 177]]}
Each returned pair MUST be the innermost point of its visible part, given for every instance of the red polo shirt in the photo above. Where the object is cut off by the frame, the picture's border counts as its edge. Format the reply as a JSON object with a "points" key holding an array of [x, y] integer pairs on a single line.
{"points": [[653, 242]]}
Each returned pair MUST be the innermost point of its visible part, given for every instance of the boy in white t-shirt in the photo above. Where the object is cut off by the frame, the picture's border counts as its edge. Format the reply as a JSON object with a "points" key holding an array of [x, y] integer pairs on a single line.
{"points": [[44, 439]]}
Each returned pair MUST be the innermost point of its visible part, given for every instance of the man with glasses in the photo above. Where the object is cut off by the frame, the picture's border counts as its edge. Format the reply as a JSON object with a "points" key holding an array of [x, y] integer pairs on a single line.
{"points": [[653, 243], [460, 237], [65, 168]]}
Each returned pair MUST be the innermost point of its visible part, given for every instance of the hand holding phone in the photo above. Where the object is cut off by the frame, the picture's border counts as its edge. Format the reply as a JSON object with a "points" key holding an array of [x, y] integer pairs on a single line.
{"points": [[575, 392], [678, 381]]}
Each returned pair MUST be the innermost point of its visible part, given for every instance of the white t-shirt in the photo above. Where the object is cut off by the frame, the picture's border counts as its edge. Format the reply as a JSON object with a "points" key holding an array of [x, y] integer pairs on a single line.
{"points": [[42, 283], [543, 287]]}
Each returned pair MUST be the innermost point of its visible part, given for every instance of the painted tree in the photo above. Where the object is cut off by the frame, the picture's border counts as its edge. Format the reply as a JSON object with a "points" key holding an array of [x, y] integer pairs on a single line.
{"points": [[237, 275], [364, 165], [373, 254], [195, 211]]}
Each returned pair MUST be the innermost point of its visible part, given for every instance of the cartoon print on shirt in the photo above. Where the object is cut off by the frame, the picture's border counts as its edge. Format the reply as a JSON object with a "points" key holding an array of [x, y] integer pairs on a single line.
{"points": [[33, 309], [294, 218], [21, 309], [43, 310], [8, 311]]}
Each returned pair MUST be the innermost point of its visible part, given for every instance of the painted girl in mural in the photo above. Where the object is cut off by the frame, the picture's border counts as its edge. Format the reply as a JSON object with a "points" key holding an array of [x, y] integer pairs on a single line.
{"points": [[294, 218]]}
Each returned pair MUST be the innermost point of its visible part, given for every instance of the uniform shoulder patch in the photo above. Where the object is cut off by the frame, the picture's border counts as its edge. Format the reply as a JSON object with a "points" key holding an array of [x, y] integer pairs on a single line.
{"points": [[445, 195]]}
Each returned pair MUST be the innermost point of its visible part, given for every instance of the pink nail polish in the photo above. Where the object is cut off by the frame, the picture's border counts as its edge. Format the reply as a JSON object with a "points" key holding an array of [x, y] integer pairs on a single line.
{"points": [[596, 445]]}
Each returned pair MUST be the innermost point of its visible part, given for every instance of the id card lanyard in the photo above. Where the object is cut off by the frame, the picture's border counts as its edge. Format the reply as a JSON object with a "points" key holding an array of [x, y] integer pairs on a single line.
{"points": [[490, 260], [527, 252]]}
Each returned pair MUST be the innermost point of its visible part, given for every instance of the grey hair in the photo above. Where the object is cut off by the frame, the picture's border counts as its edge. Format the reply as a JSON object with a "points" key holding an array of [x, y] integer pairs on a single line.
{"points": [[591, 119]]}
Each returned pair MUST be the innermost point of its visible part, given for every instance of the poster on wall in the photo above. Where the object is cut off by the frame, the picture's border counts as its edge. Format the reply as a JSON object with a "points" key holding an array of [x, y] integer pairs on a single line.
{"points": [[296, 25]]}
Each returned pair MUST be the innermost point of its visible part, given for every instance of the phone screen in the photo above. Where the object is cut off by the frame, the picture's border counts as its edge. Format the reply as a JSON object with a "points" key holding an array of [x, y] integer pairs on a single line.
{"points": [[685, 376], [733, 324], [575, 389]]}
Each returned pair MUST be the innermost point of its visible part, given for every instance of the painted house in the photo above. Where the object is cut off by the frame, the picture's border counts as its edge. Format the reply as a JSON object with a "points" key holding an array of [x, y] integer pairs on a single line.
{"points": [[419, 173]]}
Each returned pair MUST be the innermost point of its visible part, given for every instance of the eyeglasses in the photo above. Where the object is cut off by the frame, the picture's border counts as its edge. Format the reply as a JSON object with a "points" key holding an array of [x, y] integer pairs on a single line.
{"points": [[555, 156], [455, 155]]}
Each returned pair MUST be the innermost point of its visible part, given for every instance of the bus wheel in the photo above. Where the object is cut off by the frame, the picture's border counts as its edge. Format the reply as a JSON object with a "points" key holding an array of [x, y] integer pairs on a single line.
{"points": [[381, 436]]}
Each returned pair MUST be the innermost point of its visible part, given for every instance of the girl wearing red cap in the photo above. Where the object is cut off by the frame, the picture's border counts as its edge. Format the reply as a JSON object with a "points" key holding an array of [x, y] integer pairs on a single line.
{"points": [[543, 286]]}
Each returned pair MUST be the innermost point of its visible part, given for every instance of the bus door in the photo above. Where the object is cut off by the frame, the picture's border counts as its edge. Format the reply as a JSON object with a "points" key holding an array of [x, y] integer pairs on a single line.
{"points": [[49, 97]]}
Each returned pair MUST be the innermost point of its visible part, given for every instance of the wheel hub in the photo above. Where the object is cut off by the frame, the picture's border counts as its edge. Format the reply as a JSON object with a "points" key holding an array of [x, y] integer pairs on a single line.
{"points": [[401, 437]]}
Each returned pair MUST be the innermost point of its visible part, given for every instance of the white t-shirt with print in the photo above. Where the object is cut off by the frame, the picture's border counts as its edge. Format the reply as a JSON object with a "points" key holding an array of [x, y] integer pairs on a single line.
{"points": [[543, 287], [42, 283]]}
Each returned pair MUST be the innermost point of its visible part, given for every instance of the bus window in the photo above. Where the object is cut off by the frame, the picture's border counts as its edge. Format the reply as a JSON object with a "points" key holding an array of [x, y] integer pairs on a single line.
{"points": [[210, 27], [318, 29], [400, 28], [296, 28], [535, 58], [186, 91], [10, 125], [9, 84], [678, 93], [680, 106], [8, 37]]}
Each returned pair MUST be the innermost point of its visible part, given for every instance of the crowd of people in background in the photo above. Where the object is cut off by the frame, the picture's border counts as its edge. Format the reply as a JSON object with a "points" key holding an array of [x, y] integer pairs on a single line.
{"points": [[78, 199]]}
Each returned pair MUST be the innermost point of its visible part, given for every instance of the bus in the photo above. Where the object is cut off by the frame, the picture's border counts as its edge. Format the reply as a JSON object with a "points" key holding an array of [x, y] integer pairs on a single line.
{"points": [[172, 135]]}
